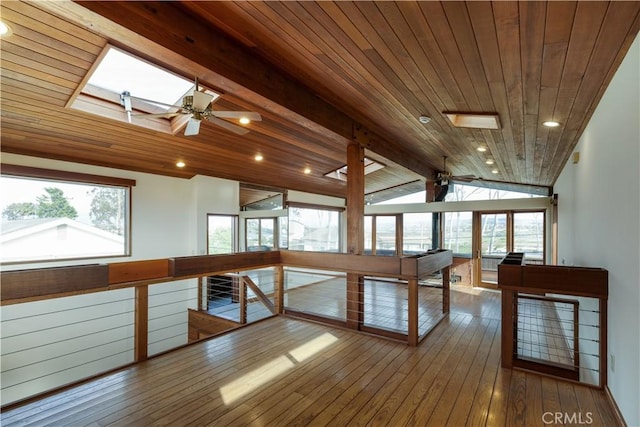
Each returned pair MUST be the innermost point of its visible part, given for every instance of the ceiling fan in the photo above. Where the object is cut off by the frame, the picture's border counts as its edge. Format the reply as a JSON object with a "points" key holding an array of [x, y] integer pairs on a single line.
{"points": [[444, 176], [198, 105]]}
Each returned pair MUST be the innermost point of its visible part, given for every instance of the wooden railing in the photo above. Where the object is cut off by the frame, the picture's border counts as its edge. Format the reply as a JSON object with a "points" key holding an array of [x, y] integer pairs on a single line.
{"points": [[547, 286], [38, 284], [138, 289]]}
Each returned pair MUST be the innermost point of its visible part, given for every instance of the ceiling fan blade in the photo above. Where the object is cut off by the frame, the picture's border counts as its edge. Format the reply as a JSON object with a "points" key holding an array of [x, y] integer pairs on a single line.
{"points": [[229, 126], [464, 178], [251, 115], [193, 127], [201, 100]]}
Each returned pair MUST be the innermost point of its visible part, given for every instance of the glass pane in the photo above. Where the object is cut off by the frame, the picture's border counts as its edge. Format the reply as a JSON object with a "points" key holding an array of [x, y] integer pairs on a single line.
{"points": [[458, 233], [463, 192], [385, 235], [51, 220], [416, 233], [252, 233], [221, 234], [119, 72], [266, 233], [314, 230], [528, 236], [283, 236], [368, 234], [493, 244]]}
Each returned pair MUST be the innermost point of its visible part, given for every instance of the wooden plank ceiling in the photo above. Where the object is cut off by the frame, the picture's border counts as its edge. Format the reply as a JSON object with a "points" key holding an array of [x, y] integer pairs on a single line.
{"points": [[314, 70]]}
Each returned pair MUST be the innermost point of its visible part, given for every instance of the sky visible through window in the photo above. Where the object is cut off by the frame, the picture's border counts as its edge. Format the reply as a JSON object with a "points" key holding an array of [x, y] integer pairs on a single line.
{"points": [[120, 72]]}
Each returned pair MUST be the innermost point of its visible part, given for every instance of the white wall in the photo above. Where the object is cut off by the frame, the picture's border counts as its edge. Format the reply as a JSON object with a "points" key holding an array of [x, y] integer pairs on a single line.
{"points": [[213, 196], [599, 221]]}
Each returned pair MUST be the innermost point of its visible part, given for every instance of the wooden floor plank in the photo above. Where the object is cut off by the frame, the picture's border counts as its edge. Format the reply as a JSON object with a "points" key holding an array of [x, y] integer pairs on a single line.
{"points": [[477, 414], [413, 400], [499, 403], [412, 371], [517, 405], [199, 388], [468, 345], [136, 401], [604, 408], [551, 401], [533, 400], [268, 400], [282, 376], [468, 384], [326, 391]]}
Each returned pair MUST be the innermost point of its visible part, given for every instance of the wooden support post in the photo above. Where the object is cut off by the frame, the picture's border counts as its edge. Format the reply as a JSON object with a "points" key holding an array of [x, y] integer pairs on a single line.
{"points": [[430, 193], [279, 288], [446, 289], [141, 323], [412, 301], [355, 225], [242, 291], [507, 328], [355, 199]]}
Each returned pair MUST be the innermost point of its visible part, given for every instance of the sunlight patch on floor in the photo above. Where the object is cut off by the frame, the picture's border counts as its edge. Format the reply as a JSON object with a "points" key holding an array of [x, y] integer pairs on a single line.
{"points": [[253, 380], [312, 347]]}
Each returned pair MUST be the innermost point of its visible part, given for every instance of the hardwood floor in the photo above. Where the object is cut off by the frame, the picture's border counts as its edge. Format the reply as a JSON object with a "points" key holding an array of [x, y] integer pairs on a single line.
{"points": [[283, 371]]}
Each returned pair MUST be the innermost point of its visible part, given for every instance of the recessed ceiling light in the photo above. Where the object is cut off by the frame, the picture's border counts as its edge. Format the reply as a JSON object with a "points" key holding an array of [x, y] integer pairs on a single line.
{"points": [[5, 30], [482, 149], [494, 171], [180, 164], [424, 119], [258, 157], [551, 124], [244, 120], [489, 161], [307, 171]]}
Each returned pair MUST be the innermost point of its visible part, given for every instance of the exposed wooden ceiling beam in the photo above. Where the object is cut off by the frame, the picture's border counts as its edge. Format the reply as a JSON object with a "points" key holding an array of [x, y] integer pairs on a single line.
{"points": [[168, 25]]}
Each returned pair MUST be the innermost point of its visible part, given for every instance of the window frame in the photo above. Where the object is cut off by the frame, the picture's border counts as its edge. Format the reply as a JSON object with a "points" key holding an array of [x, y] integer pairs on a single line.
{"points": [[312, 206], [234, 239], [28, 172]]}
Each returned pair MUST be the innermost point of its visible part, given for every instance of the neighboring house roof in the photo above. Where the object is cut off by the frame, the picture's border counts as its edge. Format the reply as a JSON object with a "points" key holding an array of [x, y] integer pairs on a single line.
{"points": [[11, 230]]}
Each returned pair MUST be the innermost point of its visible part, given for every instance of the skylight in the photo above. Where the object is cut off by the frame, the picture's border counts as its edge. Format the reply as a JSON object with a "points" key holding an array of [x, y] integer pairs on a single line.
{"points": [[128, 89], [341, 173], [119, 72]]}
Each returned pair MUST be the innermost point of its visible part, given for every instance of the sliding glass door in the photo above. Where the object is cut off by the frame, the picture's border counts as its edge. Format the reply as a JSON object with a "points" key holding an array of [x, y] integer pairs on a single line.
{"points": [[493, 245], [498, 233]]}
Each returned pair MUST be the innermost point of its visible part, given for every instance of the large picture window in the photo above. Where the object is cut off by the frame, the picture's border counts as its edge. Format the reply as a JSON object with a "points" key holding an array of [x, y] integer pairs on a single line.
{"points": [[314, 229], [49, 215]]}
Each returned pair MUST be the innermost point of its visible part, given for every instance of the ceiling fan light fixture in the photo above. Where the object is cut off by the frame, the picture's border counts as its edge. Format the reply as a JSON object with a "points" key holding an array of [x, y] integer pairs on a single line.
{"points": [[551, 124], [244, 120]]}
